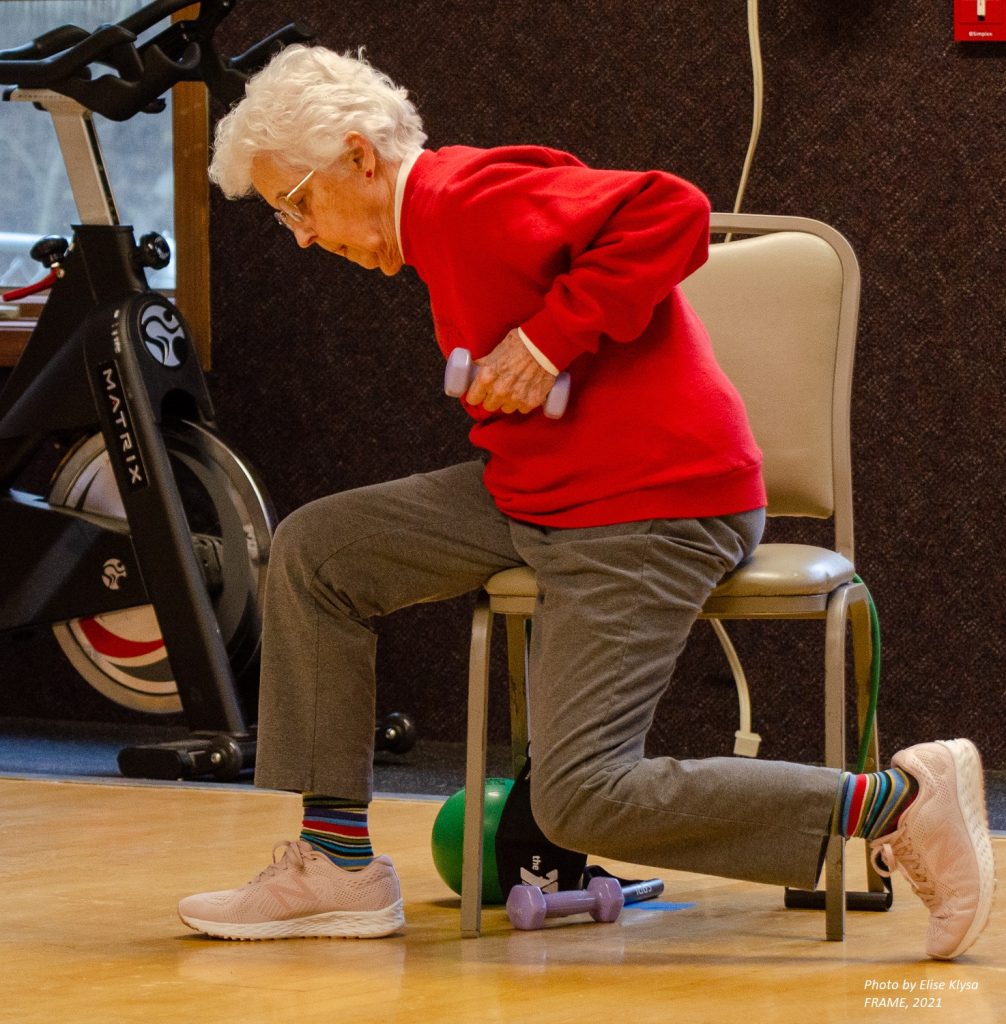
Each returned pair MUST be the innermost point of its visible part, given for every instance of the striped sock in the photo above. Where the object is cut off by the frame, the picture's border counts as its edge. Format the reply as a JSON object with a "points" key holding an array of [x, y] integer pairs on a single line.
{"points": [[870, 805], [338, 829]]}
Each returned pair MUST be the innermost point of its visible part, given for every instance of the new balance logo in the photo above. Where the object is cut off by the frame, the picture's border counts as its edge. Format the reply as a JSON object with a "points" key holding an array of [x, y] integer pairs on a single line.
{"points": [[292, 891]]}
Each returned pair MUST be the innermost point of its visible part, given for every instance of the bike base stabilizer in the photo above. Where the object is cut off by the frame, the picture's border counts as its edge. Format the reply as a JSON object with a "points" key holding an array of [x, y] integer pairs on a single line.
{"points": [[203, 754]]}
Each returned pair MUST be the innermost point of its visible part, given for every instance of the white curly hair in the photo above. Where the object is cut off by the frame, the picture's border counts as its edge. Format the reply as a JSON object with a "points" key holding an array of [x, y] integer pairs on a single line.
{"points": [[299, 108]]}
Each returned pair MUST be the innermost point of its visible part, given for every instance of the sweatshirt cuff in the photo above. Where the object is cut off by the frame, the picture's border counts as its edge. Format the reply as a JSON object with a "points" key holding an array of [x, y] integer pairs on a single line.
{"points": [[556, 345], [540, 358]]}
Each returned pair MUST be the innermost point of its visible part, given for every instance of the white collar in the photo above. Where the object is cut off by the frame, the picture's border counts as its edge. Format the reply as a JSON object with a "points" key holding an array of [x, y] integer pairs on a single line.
{"points": [[403, 176]]}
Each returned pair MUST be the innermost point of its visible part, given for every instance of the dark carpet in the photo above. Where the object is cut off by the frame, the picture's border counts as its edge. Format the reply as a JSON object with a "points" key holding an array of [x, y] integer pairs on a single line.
{"points": [[88, 750]]}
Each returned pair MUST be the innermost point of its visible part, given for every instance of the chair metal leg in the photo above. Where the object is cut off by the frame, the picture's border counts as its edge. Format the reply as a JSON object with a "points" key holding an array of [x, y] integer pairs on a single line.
{"points": [[518, 631], [834, 897], [475, 768], [846, 606]]}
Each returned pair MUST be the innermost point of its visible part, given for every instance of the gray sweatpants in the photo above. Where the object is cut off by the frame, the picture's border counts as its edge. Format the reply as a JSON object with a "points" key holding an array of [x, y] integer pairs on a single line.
{"points": [[615, 608]]}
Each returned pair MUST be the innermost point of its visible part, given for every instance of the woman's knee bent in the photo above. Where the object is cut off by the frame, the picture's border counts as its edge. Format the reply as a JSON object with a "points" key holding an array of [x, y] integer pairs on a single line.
{"points": [[568, 810]]}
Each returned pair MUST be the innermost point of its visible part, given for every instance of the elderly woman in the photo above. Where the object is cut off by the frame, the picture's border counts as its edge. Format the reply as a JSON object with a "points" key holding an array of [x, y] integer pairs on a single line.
{"points": [[630, 509]]}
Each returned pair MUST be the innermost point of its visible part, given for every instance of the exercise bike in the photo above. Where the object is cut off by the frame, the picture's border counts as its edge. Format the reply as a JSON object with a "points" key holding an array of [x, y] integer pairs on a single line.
{"points": [[146, 555]]}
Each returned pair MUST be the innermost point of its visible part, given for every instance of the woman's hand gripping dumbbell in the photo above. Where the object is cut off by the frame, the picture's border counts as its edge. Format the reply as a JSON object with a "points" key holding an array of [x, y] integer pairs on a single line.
{"points": [[527, 906], [461, 371]]}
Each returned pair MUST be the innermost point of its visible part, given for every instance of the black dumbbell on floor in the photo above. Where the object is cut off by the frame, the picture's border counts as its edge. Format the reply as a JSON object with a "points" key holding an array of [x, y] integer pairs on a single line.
{"points": [[397, 733]]}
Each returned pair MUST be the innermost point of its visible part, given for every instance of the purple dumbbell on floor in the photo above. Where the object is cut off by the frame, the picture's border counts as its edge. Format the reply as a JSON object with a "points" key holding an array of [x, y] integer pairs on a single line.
{"points": [[527, 906], [461, 370]]}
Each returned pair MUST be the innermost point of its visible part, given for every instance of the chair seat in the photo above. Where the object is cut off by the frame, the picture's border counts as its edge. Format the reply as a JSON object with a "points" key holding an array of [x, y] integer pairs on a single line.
{"points": [[787, 570], [519, 582], [775, 570]]}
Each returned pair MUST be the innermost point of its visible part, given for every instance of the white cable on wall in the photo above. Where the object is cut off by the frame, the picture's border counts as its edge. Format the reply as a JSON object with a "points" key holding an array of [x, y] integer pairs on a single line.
{"points": [[746, 742], [758, 91]]}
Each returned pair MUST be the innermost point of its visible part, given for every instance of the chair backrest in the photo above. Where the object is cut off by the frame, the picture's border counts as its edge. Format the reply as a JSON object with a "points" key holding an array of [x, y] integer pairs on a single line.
{"points": [[781, 305]]}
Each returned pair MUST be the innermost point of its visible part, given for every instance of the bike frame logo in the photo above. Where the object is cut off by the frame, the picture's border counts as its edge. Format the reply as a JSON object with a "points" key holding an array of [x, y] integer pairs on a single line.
{"points": [[163, 335], [125, 454], [112, 573]]}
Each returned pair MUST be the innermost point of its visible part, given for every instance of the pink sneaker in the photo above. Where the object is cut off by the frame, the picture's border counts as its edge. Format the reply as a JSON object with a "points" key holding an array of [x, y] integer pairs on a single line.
{"points": [[942, 843], [300, 895]]}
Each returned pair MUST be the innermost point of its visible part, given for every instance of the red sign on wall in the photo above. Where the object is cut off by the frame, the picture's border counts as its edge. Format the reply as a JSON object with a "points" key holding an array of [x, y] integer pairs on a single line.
{"points": [[979, 21]]}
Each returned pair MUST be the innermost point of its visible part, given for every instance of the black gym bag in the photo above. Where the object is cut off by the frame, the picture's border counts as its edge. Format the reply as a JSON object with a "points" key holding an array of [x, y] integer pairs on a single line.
{"points": [[524, 854]]}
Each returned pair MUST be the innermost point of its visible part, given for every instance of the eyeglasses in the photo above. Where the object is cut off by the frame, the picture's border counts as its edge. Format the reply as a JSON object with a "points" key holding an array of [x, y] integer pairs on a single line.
{"points": [[289, 212]]}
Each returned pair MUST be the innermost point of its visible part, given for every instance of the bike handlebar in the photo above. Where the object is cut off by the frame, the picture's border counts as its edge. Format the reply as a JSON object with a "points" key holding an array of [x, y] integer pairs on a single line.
{"points": [[48, 43], [44, 71], [61, 59], [139, 21]]}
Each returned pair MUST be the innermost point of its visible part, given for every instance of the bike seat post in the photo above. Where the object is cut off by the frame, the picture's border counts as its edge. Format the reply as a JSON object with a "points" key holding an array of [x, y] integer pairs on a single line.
{"points": [[81, 151]]}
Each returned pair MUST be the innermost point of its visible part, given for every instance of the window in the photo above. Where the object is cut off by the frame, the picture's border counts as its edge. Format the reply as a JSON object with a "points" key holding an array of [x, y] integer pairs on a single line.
{"points": [[150, 160]]}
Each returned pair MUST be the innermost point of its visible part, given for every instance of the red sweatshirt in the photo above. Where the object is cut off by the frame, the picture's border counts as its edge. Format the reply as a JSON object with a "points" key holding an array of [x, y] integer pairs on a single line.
{"points": [[587, 263]]}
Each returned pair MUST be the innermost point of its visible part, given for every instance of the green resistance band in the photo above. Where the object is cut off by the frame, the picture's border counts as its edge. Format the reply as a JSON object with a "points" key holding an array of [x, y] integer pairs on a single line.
{"points": [[871, 712]]}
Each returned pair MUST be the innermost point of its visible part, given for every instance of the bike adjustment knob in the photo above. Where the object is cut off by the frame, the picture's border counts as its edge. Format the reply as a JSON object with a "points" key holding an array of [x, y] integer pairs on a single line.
{"points": [[153, 251], [49, 250]]}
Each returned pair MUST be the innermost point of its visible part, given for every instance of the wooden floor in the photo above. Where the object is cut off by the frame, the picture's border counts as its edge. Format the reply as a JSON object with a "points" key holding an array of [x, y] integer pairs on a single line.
{"points": [[90, 874]]}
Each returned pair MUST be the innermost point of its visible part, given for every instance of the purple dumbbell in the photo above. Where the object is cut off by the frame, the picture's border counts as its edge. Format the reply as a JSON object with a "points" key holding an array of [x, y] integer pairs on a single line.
{"points": [[527, 906], [461, 370]]}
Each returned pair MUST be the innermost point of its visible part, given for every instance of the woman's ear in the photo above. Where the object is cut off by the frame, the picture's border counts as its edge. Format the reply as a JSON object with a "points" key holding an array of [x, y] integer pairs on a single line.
{"points": [[360, 153]]}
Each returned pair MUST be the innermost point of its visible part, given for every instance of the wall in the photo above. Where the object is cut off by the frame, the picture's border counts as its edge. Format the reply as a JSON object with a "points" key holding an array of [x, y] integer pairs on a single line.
{"points": [[328, 378]]}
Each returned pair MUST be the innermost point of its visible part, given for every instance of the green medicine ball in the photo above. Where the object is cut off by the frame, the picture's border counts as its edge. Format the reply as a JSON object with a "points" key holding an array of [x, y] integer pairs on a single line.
{"points": [[448, 839]]}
